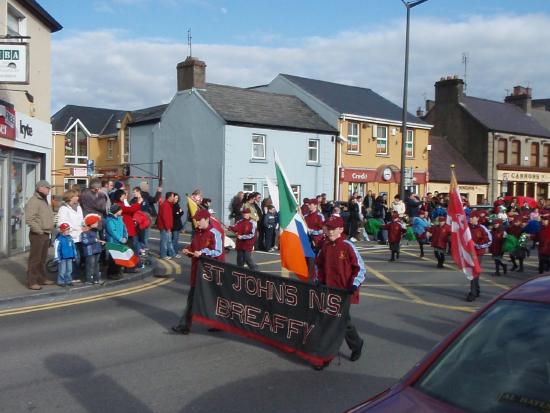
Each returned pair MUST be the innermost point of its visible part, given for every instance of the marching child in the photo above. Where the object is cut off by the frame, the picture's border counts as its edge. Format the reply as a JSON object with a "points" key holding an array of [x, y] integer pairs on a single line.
{"points": [[440, 235], [245, 229], [395, 232], [498, 234], [420, 227], [543, 238], [91, 247], [65, 255], [515, 229]]}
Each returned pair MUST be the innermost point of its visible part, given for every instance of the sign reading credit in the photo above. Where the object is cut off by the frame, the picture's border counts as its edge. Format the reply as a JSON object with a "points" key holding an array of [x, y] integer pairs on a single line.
{"points": [[13, 63], [293, 316]]}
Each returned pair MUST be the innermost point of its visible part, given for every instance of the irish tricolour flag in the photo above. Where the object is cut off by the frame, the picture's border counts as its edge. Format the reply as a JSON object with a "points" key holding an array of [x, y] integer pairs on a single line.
{"points": [[122, 255], [294, 243]]}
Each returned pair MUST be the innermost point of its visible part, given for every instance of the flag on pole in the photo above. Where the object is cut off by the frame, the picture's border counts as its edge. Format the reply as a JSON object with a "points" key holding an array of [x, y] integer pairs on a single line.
{"points": [[273, 192], [462, 246], [192, 208], [122, 255], [294, 243]]}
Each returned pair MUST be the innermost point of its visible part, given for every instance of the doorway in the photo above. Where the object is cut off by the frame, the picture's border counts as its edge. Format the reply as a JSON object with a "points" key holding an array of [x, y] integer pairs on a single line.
{"points": [[23, 179]]}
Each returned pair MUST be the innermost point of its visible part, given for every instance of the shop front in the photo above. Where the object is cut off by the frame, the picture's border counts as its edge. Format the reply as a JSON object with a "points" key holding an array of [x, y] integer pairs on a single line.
{"points": [[382, 180], [532, 184], [25, 148], [476, 194]]}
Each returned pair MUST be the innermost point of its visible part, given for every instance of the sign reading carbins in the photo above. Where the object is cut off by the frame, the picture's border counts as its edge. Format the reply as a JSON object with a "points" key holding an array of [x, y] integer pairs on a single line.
{"points": [[14, 58]]}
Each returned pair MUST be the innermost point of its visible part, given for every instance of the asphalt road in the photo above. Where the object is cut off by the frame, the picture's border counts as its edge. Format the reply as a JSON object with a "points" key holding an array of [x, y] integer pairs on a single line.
{"points": [[117, 353]]}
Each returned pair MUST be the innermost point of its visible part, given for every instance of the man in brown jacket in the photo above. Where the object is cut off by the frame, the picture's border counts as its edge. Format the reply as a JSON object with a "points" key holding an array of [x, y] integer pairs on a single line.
{"points": [[39, 218]]}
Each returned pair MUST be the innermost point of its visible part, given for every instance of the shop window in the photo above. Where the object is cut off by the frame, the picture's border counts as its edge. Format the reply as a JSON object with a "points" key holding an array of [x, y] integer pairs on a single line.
{"points": [[353, 137], [409, 144], [516, 153], [297, 192], [381, 140], [357, 187], [76, 146], [546, 156], [313, 151], [535, 147], [502, 156], [258, 146], [110, 148]]}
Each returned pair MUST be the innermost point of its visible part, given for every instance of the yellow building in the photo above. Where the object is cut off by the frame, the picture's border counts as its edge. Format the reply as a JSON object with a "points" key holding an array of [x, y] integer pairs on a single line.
{"points": [[88, 142], [368, 152]]}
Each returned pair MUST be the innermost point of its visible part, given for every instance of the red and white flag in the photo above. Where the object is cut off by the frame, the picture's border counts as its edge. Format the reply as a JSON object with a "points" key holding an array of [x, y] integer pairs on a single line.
{"points": [[462, 246]]}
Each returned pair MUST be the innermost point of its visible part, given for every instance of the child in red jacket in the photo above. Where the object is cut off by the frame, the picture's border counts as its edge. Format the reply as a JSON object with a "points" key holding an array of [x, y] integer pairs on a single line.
{"points": [[395, 231], [245, 229], [498, 234], [440, 235]]}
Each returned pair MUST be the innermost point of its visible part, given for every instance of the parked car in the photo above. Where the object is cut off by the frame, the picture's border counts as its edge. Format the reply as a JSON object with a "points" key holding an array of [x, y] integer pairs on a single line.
{"points": [[497, 361]]}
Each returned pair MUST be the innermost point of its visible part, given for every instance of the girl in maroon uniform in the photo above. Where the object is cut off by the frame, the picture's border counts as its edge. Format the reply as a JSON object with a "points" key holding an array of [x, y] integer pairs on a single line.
{"points": [[395, 231], [440, 234], [496, 246], [245, 229]]}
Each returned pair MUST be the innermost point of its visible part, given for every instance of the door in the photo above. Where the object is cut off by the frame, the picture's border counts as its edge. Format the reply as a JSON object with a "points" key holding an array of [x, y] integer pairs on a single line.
{"points": [[22, 187], [3, 208]]}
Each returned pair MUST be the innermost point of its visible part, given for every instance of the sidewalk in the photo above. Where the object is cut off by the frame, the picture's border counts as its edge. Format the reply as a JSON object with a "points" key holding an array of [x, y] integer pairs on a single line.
{"points": [[14, 291]]}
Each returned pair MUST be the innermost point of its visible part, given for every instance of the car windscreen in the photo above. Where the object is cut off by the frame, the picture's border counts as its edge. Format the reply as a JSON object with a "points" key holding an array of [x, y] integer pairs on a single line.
{"points": [[501, 363]]}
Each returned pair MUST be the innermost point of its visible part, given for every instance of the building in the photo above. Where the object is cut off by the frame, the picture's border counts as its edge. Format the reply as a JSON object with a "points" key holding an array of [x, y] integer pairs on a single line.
{"points": [[471, 184], [82, 134], [222, 139], [368, 154], [503, 142], [25, 99]]}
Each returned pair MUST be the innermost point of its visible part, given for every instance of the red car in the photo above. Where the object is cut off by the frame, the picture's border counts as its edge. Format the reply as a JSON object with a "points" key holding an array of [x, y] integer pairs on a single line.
{"points": [[497, 361]]}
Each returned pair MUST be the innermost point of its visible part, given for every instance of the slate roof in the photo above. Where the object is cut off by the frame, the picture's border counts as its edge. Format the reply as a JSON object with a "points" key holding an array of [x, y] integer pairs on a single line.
{"points": [[503, 117], [442, 156], [147, 115], [98, 121], [352, 99], [41, 14], [541, 102], [245, 106], [542, 117]]}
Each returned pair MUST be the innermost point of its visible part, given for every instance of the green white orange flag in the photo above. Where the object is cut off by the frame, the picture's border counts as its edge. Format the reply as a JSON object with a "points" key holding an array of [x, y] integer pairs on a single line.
{"points": [[122, 255]]}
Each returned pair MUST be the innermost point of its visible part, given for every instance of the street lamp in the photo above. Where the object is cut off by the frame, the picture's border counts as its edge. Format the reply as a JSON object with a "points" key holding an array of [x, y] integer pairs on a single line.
{"points": [[409, 5]]}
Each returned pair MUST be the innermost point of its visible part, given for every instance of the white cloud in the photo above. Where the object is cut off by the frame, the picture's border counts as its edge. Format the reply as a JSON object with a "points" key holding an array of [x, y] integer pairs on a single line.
{"points": [[107, 69]]}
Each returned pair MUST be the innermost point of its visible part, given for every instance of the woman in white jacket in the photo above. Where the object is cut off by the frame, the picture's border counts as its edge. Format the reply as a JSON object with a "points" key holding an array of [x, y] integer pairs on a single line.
{"points": [[70, 212], [398, 206]]}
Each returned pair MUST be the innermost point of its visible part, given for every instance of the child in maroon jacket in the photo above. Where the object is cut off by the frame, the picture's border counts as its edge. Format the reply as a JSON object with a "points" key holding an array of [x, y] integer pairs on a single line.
{"points": [[543, 238], [498, 234], [245, 229], [440, 235], [395, 231]]}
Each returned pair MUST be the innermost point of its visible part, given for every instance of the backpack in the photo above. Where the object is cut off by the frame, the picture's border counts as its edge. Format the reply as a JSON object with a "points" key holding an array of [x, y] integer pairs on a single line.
{"points": [[142, 220]]}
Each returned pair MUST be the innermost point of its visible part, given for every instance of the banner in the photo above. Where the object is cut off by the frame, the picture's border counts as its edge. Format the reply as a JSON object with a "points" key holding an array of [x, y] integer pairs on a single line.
{"points": [[291, 315], [7, 120]]}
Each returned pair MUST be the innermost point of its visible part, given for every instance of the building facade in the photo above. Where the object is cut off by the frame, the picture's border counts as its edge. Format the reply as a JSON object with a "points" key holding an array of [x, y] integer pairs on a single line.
{"points": [[25, 128], [222, 140], [368, 151], [501, 141], [88, 142]]}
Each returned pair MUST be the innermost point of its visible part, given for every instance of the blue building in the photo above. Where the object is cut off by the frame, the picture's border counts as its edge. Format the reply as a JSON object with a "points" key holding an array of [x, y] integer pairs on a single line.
{"points": [[222, 139]]}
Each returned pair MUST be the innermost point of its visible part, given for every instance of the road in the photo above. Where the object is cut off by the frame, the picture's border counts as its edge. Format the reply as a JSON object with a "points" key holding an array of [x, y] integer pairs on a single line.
{"points": [[116, 353]]}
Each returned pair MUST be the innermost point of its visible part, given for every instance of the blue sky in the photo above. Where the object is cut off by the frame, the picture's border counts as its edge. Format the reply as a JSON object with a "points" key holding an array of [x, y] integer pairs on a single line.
{"points": [[122, 53]]}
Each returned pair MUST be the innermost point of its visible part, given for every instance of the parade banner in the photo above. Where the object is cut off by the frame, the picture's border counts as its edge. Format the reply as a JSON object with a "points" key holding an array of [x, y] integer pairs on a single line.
{"points": [[291, 315]]}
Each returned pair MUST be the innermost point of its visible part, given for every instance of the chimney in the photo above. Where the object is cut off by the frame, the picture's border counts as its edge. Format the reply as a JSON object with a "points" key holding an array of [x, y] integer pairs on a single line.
{"points": [[429, 105], [191, 74], [449, 90], [419, 112], [521, 96]]}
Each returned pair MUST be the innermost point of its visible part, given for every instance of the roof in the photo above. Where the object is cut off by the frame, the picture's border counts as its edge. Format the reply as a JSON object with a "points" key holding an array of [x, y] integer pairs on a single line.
{"points": [[147, 115], [352, 100], [503, 117], [41, 14], [537, 289], [442, 156], [245, 106], [542, 117], [98, 121], [541, 102]]}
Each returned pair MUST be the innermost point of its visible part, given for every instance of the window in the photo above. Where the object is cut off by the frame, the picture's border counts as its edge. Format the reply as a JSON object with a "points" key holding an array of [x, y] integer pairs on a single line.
{"points": [[353, 137], [258, 146], [110, 148], [516, 153], [381, 140], [76, 146], [249, 188], [81, 182], [297, 192], [15, 22], [126, 146], [409, 144], [546, 156], [313, 151], [357, 187], [535, 147], [502, 155]]}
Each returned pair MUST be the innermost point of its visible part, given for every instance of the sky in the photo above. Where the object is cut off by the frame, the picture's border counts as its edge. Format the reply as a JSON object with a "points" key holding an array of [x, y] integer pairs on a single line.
{"points": [[122, 54]]}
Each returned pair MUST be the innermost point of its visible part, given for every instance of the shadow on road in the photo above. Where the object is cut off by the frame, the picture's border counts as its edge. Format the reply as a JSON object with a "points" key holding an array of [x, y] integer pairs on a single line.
{"points": [[94, 392]]}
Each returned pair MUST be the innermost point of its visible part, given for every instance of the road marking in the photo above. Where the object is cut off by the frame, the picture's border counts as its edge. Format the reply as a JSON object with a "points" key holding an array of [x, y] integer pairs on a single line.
{"points": [[426, 303], [84, 300], [393, 284], [269, 262], [172, 267]]}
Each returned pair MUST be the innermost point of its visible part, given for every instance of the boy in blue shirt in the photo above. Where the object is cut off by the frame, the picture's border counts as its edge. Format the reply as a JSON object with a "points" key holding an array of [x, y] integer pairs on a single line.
{"points": [[65, 254]]}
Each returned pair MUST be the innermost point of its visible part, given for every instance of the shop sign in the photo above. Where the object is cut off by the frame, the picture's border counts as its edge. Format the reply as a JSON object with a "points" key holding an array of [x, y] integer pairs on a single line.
{"points": [[521, 176], [357, 175], [14, 63], [80, 172], [32, 131], [7, 120]]}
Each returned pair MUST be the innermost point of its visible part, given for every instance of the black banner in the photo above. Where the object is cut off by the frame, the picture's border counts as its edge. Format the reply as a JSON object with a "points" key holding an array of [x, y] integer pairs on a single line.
{"points": [[290, 315]]}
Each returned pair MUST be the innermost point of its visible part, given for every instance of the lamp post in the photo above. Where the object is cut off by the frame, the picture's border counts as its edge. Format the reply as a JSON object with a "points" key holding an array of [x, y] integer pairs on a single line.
{"points": [[409, 5]]}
